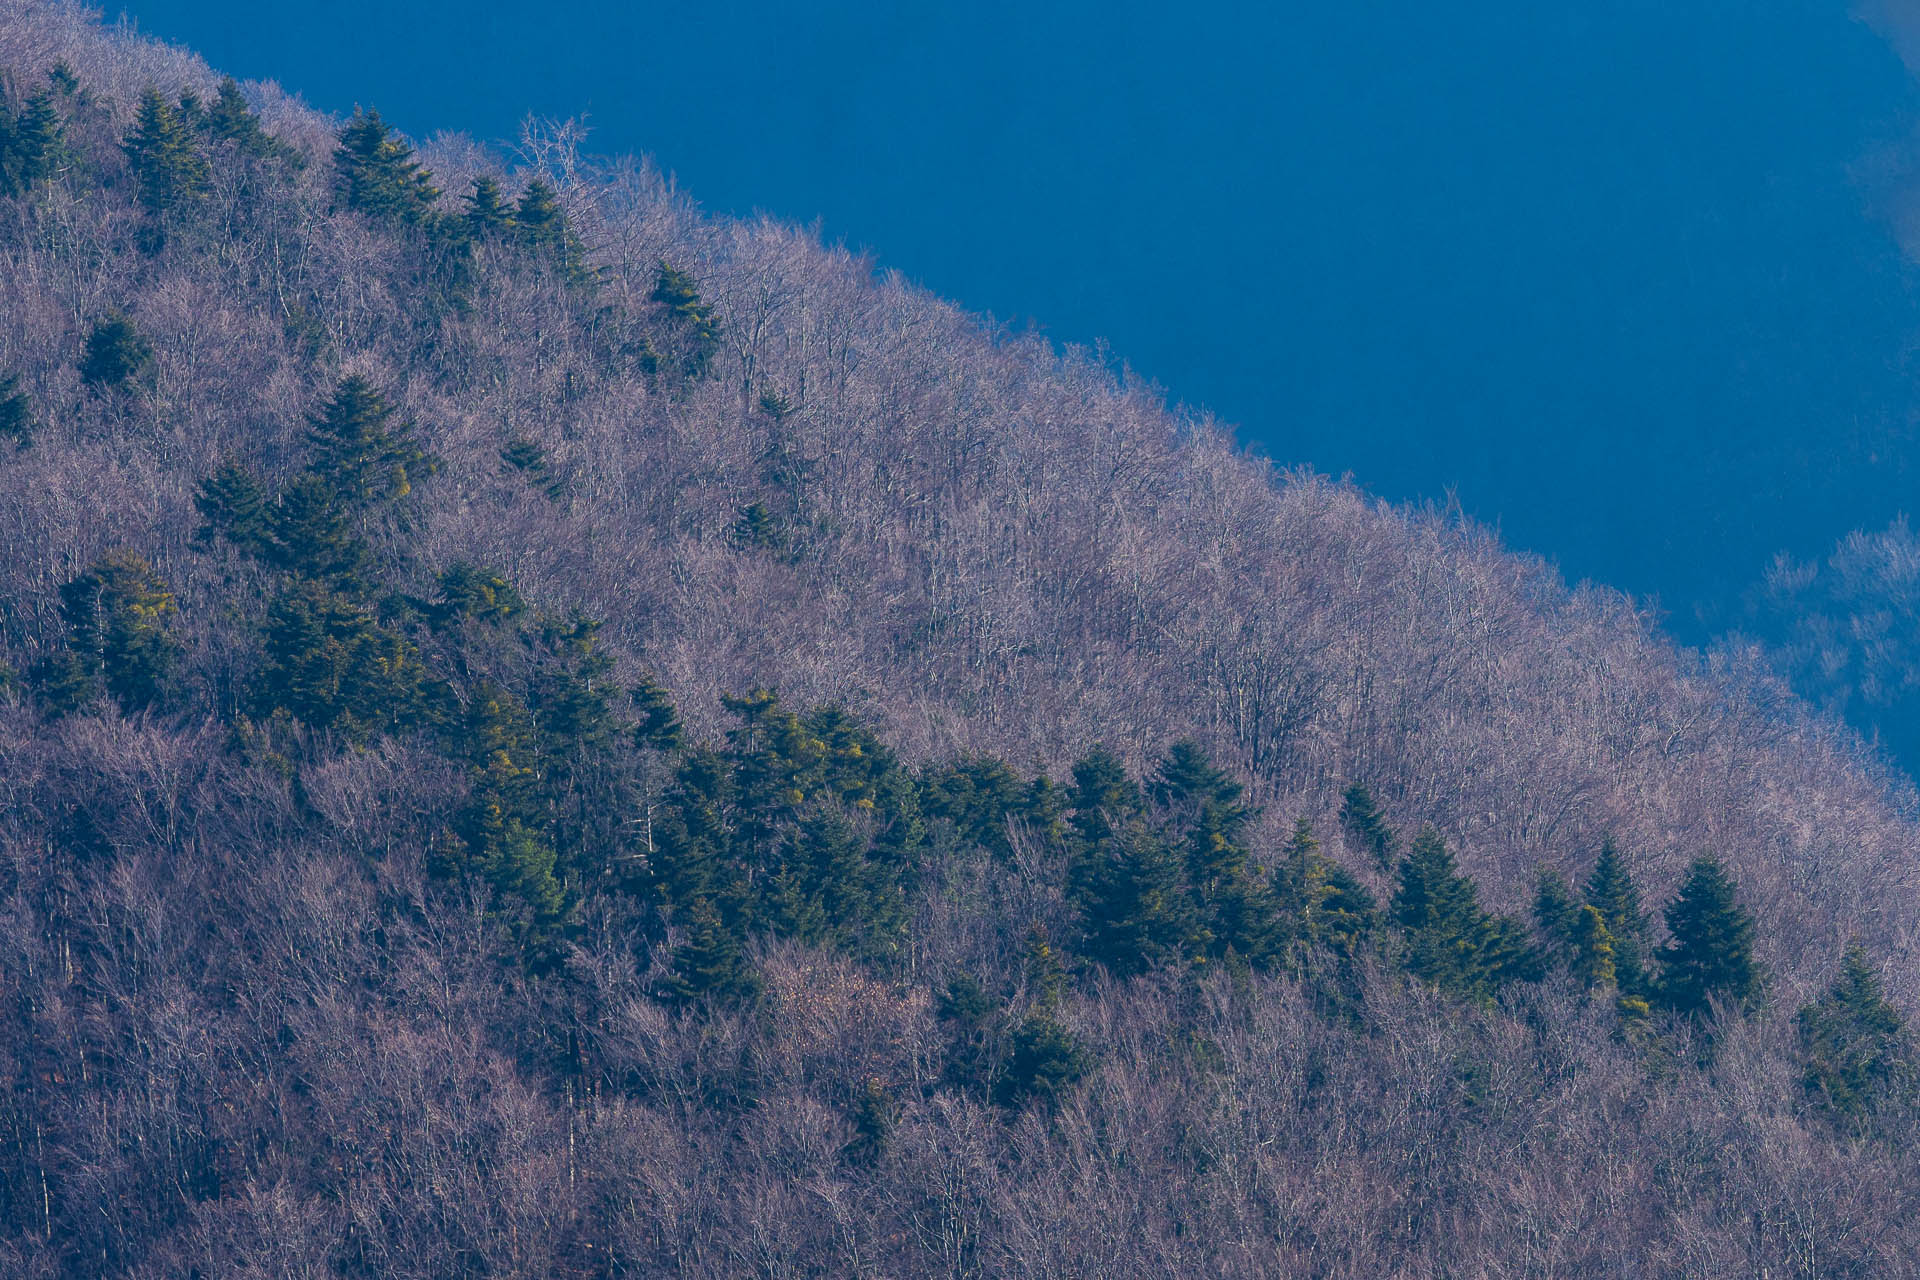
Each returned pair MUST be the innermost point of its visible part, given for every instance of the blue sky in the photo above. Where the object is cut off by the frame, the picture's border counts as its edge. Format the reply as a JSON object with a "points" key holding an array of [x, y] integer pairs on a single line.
{"points": [[1609, 272]]}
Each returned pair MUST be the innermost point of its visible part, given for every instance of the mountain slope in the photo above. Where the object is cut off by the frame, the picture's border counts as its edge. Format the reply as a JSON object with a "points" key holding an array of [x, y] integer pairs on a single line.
{"points": [[756, 464]]}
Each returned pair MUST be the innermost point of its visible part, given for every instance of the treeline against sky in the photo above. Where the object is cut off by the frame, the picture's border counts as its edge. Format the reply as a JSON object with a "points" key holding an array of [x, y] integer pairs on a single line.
{"points": [[1147, 865]]}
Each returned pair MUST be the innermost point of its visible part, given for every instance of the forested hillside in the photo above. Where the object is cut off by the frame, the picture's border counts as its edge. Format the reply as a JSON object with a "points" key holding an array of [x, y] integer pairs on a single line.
{"points": [[545, 733]]}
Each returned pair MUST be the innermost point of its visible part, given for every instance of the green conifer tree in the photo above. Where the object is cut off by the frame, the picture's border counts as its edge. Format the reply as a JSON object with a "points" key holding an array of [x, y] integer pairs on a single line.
{"points": [[116, 354], [1303, 884], [1611, 890], [366, 456], [699, 333], [1556, 914], [710, 963], [1450, 941], [541, 224], [488, 216], [36, 146], [1855, 1046], [977, 794], [658, 726], [758, 530], [966, 1013], [469, 593], [16, 415], [1137, 913], [1591, 954], [874, 1115], [530, 460], [233, 506], [328, 664], [1712, 948], [167, 164], [1363, 823], [231, 120], [310, 533], [1046, 975], [117, 615], [1045, 1060], [1210, 807], [375, 173]]}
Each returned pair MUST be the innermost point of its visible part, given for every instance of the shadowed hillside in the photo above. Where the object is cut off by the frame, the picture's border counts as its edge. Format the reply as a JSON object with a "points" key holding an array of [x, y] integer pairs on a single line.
{"points": [[1147, 864]]}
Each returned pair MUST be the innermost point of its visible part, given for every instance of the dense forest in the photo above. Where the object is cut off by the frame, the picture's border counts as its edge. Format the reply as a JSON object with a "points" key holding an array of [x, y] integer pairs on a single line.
{"points": [[547, 734]]}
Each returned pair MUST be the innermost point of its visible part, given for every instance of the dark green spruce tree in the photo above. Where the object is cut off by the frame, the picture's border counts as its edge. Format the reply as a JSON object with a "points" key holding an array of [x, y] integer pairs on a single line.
{"points": [[375, 173], [16, 415], [234, 507], [360, 450], [710, 963], [1711, 952], [116, 354], [229, 119], [119, 641], [1611, 891], [1449, 940], [1044, 1058], [1366, 827], [166, 160], [36, 146], [698, 332], [1857, 1052]]}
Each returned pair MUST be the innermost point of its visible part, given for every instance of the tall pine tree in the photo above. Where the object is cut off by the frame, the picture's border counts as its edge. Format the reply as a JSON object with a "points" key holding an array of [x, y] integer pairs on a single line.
{"points": [[118, 616], [361, 451], [1367, 827], [167, 164], [1711, 953], [1611, 891], [1855, 1046], [375, 173]]}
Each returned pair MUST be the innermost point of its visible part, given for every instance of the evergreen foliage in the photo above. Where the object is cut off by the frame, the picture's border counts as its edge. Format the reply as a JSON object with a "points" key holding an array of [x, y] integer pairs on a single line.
{"points": [[1711, 952], [1045, 1060], [33, 145], [875, 1112], [1367, 827], [233, 506], [116, 354], [530, 460], [360, 451], [118, 616], [221, 941], [1858, 1053], [375, 172], [488, 215], [1611, 890], [166, 161], [541, 224], [710, 964], [1321, 903], [1592, 951], [698, 332], [1136, 913], [658, 725], [503, 838], [328, 664], [469, 593], [1556, 914], [1450, 941], [16, 415], [966, 1014], [229, 119], [758, 530], [310, 533], [980, 795]]}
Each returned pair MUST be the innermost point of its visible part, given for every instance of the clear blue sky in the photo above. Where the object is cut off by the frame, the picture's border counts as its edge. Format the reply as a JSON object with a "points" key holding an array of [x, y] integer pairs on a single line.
{"points": [[1605, 270]]}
